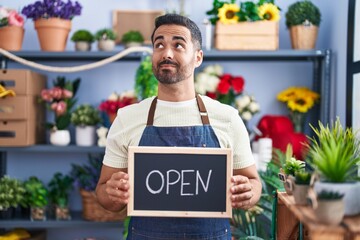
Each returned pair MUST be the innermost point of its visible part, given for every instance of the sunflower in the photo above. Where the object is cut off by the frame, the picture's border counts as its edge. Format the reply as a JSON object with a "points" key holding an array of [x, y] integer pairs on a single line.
{"points": [[301, 103], [287, 94], [227, 13], [269, 11]]}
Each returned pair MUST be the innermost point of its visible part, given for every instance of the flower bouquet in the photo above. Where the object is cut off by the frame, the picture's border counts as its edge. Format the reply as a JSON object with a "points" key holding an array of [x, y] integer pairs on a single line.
{"points": [[116, 101], [60, 99], [52, 20], [299, 100], [213, 83], [11, 29], [247, 106]]}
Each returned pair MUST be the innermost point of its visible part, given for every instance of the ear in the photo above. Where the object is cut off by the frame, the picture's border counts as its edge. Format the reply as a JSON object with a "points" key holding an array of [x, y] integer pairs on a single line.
{"points": [[198, 58]]}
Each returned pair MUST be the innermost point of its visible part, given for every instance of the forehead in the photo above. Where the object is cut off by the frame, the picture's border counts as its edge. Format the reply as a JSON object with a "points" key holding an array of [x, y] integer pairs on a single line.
{"points": [[169, 31]]}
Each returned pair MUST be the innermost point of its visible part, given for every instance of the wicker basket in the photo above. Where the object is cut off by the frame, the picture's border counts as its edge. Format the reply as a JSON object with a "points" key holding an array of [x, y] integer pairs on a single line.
{"points": [[94, 212]]}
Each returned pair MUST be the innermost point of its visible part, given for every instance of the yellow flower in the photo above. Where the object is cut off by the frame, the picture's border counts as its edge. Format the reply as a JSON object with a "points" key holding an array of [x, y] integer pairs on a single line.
{"points": [[227, 13], [269, 11], [287, 94], [301, 103]]}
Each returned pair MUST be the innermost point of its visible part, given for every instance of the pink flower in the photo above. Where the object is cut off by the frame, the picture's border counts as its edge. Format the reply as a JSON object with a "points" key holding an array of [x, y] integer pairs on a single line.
{"points": [[66, 93], [59, 108], [46, 95], [15, 19], [56, 93]]}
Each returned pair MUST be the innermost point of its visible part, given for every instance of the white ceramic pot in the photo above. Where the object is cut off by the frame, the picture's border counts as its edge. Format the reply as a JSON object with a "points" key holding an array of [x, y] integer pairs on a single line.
{"points": [[106, 45], [330, 211], [85, 135], [351, 194], [132, 44], [82, 46], [60, 137]]}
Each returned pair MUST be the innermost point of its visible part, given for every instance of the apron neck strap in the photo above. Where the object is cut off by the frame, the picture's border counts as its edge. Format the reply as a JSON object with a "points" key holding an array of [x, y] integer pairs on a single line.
{"points": [[203, 113]]}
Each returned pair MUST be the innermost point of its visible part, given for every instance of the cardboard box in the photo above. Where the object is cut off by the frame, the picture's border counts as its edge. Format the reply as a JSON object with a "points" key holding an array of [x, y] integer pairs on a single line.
{"points": [[139, 20], [259, 35], [20, 108], [23, 81]]}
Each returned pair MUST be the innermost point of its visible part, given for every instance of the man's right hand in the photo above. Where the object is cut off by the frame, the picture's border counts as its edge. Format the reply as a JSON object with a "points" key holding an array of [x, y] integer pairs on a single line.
{"points": [[117, 187]]}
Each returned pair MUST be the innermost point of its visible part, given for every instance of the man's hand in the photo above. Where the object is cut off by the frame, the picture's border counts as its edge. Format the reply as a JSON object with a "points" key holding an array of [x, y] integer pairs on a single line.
{"points": [[242, 192], [117, 187]]}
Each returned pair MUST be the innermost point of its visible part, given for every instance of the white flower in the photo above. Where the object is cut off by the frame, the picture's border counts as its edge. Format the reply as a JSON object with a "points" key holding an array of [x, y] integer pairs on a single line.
{"points": [[113, 97], [254, 107], [242, 101], [215, 69], [4, 13], [128, 94], [206, 83], [246, 115]]}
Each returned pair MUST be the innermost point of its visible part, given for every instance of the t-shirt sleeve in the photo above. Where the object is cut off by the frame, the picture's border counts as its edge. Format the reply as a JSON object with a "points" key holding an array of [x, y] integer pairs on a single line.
{"points": [[242, 155], [115, 151]]}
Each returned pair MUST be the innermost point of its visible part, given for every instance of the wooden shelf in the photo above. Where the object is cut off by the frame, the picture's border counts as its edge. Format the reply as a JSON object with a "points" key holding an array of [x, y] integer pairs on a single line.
{"points": [[348, 229]]}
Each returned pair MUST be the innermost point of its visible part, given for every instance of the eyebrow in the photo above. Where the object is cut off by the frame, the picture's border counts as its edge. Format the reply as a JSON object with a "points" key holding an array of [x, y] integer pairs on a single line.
{"points": [[174, 38]]}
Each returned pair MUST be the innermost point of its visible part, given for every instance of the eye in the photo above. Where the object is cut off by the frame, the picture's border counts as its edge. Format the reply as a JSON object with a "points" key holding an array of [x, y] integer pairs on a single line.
{"points": [[159, 45], [179, 45]]}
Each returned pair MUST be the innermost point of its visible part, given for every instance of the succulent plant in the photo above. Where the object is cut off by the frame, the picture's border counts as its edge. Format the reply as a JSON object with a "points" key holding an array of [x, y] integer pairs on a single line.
{"points": [[82, 35], [132, 36], [85, 115], [329, 195], [105, 34], [303, 12]]}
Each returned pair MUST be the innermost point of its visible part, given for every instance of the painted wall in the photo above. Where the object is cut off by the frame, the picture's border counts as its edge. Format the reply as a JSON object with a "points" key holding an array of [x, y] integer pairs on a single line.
{"points": [[263, 79]]}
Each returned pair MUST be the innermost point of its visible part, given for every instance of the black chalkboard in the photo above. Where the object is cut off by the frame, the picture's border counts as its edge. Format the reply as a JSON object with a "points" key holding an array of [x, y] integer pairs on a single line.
{"points": [[179, 181]]}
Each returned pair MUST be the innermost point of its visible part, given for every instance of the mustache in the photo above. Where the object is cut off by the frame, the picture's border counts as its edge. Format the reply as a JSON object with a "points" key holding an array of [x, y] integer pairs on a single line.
{"points": [[167, 61]]}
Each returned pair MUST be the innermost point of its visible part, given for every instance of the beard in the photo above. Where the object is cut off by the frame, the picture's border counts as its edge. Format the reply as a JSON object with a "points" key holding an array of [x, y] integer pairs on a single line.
{"points": [[171, 76]]}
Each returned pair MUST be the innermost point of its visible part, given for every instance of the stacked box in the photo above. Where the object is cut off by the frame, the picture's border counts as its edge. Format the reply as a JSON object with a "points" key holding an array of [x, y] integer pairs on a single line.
{"points": [[22, 118]]}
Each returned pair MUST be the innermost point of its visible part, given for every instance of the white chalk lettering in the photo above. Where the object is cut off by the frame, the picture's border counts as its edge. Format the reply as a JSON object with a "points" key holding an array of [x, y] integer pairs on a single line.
{"points": [[168, 179], [184, 183], [162, 182], [198, 178]]}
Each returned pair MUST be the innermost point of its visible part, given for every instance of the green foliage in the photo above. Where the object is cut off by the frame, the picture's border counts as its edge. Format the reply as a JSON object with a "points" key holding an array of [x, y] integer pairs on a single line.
{"points": [[11, 192], [85, 115], [329, 195], [105, 34], [301, 12], [291, 164], [302, 177], [132, 36], [86, 176], [82, 35], [334, 152], [146, 85], [36, 193], [59, 187], [214, 11]]}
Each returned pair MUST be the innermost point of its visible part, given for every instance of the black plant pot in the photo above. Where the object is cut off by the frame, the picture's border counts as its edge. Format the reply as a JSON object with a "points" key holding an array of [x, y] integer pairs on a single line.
{"points": [[7, 213]]}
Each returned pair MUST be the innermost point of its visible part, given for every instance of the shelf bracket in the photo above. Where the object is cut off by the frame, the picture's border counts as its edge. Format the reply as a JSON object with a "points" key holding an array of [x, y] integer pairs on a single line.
{"points": [[4, 62], [2, 163]]}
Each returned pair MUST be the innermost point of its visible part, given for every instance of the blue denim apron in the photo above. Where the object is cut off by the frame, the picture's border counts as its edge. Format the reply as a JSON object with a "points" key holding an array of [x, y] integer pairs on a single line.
{"points": [[141, 228]]}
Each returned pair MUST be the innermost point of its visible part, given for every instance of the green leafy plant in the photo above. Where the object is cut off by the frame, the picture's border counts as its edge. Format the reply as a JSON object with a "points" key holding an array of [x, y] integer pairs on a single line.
{"points": [[105, 34], [86, 176], [329, 195], [82, 35], [334, 152], [36, 192], [302, 177], [59, 187], [11, 192], [85, 115], [132, 36], [292, 165], [303, 12], [146, 85]]}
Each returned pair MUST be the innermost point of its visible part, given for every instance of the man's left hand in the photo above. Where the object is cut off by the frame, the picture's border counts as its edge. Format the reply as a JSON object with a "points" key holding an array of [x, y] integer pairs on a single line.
{"points": [[241, 192]]}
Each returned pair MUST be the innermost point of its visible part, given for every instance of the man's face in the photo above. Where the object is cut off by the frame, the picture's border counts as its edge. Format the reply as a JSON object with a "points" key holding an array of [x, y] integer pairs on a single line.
{"points": [[174, 58]]}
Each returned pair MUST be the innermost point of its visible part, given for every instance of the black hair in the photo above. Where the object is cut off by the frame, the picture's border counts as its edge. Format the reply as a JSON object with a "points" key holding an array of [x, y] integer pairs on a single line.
{"points": [[176, 19]]}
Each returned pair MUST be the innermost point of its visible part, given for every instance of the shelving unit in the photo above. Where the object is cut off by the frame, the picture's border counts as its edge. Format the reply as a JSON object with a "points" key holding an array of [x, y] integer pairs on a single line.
{"points": [[321, 62]]}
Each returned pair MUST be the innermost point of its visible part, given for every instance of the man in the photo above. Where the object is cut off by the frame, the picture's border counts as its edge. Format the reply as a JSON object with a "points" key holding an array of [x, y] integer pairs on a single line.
{"points": [[174, 119]]}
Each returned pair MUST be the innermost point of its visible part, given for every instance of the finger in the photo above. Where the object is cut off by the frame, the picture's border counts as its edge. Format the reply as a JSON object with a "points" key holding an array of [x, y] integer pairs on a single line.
{"points": [[120, 175], [239, 179], [242, 205], [242, 197], [241, 188]]}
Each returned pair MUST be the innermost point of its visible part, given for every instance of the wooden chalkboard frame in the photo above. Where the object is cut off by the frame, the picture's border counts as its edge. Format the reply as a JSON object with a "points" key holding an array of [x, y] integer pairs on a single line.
{"points": [[180, 150]]}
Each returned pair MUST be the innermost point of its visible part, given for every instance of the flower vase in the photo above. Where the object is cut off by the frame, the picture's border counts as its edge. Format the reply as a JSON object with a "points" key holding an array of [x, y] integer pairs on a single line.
{"points": [[85, 135], [52, 33], [60, 137], [11, 38], [298, 120]]}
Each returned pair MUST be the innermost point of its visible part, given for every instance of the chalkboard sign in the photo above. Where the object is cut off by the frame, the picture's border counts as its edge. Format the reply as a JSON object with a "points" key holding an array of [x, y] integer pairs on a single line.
{"points": [[180, 182]]}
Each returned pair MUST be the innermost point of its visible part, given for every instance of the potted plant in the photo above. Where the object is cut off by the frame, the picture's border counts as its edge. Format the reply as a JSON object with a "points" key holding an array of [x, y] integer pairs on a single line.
{"points": [[106, 39], [83, 39], [37, 198], [85, 117], [11, 195], [303, 20], [300, 186], [52, 21], [11, 29], [132, 38], [59, 187], [328, 207], [60, 99], [333, 154]]}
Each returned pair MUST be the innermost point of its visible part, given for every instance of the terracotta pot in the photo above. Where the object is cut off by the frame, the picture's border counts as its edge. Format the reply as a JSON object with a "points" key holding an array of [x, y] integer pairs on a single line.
{"points": [[11, 38], [53, 33], [303, 37]]}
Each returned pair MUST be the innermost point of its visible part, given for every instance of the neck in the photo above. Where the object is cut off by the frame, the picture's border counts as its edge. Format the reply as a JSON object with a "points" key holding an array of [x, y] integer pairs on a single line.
{"points": [[177, 92]]}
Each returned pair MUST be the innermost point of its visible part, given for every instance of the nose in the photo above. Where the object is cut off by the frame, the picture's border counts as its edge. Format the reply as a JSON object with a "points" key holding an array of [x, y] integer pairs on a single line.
{"points": [[168, 53]]}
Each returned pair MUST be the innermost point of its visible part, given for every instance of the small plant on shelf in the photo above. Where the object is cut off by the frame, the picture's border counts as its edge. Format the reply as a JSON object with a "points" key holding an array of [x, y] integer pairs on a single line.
{"points": [[59, 188], [85, 115], [11, 195], [303, 13], [106, 39], [37, 198], [83, 39], [132, 38]]}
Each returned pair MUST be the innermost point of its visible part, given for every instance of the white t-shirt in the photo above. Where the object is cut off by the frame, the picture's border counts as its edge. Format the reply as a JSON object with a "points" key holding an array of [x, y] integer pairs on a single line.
{"points": [[130, 123]]}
